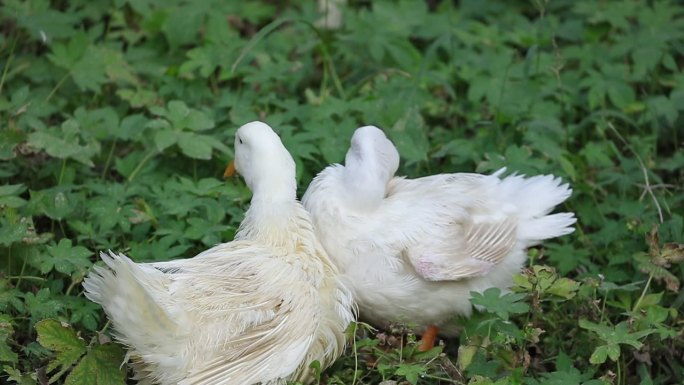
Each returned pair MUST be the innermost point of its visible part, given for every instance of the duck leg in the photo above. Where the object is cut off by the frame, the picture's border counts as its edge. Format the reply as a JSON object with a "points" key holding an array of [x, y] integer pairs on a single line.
{"points": [[427, 340]]}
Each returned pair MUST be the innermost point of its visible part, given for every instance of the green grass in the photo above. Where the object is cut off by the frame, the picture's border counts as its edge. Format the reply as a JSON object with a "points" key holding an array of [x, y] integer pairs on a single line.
{"points": [[117, 121]]}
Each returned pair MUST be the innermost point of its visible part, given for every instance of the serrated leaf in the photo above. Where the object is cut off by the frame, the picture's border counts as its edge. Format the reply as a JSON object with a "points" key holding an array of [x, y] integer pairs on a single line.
{"points": [[101, 366], [65, 143], [165, 138], [12, 232], [66, 55], [7, 354], [564, 287], [89, 71], [12, 189], [466, 353], [619, 334], [18, 378], [132, 126], [599, 355], [66, 258], [194, 145], [177, 111], [613, 352], [182, 117], [410, 372], [620, 93], [502, 305], [13, 202], [61, 339], [139, 97], [198, 121], [568, 168], [6, 331], [54, 203], [410, 137]]}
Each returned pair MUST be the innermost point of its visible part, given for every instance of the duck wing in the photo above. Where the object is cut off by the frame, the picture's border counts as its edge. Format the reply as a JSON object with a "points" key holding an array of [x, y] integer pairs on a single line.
{"points": [[250, 305], [446, 226]]}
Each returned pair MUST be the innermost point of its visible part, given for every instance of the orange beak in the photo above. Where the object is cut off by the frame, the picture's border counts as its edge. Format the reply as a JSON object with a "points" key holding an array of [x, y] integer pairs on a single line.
{"points": [[230, 170]]}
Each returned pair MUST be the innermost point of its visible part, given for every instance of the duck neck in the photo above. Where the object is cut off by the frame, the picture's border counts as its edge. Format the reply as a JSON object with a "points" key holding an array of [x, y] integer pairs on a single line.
{"points": [[274, 193], [270, 215], [364, 189]]}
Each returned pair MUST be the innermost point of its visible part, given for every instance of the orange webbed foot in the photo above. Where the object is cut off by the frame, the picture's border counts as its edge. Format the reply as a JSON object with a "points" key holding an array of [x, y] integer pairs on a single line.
{"points": [[427, 340]]}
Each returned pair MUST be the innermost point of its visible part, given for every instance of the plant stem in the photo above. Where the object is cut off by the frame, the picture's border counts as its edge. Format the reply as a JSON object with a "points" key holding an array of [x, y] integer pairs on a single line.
{"points": [[603, 307], [105, 326], [61, 172], [71, 287], [61, 227], [109, 159], [7, 65], [333, 72], [140, 165], [643, 293], [59, 84], [21, 273], [619, 370], [31, 277]]}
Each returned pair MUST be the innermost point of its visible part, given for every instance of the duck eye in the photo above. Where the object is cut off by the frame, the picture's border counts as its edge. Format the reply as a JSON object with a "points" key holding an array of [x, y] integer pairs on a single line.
{"points": [[239, 140]]}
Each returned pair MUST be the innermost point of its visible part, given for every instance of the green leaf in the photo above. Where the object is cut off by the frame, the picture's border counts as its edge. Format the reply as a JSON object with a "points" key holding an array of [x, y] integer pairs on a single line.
{"points": [[132, 127], [410, 137], [599, 355], [103, 365], [89, 71], [613, 351], [165, 138], [199, 121], [410, 372], [6, 331], [18, 378], [177, 112], [501, 305], [11, 189], [11, 201], [66, 258], [55, 203], [84, 312], [61, 339], [195, 146], [66, 55], [139, 97], [65, 143], [182, 24], [6, 352], [466, 353], [42, 305], [12, 232], [619, 334], [182, 117], [564, 287], [620, 93]]}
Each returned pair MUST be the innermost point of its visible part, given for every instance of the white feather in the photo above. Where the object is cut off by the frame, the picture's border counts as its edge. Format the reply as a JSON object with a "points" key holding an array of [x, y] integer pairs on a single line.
{"points": [[412, 250], [255, 310]]}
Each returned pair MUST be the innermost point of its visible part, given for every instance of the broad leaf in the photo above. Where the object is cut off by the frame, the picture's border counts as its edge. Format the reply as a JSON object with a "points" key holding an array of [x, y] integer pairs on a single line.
{"points": [[61, 339]]}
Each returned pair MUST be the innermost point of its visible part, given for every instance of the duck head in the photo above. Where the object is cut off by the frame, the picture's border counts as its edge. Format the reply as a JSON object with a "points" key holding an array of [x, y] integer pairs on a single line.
{"points": [[373, 154], [264, 163]]}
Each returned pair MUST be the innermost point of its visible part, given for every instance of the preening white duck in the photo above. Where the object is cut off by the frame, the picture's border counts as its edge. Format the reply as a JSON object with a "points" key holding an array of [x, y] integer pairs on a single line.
{"points": [[412, 250], [259, 309]]}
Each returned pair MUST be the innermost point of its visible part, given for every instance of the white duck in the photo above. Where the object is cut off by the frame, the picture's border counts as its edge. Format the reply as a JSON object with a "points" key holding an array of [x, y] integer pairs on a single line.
{"points": [[259, 309], [412, 250]]}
